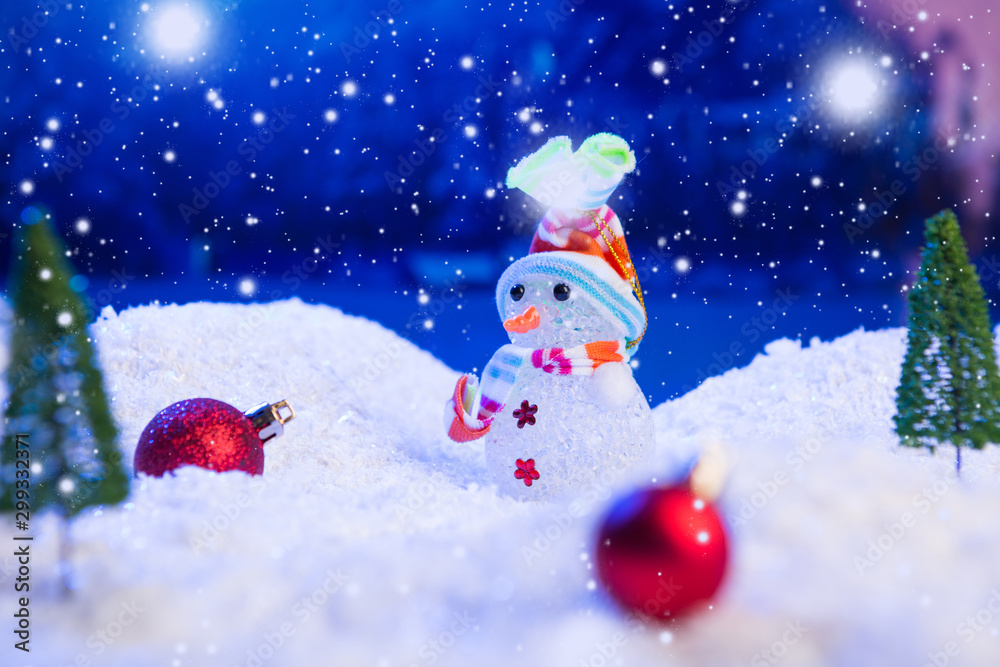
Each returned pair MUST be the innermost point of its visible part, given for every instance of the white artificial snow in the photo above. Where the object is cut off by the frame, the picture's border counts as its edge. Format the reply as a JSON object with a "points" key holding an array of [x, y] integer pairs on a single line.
{"points": [[372, 539]]}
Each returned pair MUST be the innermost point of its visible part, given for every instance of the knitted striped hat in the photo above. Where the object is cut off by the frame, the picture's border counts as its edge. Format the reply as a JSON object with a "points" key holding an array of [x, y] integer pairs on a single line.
{"points": [[580, 240]]}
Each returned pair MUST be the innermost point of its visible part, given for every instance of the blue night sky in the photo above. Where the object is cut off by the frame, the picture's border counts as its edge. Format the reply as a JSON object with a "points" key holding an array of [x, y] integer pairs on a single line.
{"points": [[355, 153]]}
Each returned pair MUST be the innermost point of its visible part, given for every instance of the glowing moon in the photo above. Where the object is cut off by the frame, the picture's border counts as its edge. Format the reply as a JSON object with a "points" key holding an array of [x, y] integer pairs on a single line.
{"points": [[177, 29], [853, 88]]}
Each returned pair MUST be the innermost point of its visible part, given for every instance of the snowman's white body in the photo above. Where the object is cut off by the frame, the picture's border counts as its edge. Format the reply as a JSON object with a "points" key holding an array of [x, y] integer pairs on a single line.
{"points": [[580, 442], [589, 430]]}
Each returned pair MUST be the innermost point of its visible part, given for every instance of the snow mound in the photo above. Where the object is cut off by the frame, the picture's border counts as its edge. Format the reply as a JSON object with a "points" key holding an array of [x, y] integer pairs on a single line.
{"points": [[371, 539]]}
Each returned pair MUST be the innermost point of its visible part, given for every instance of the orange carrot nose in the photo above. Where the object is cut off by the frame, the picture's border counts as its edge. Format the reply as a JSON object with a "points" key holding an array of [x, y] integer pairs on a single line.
{"points": [[524, 322]]}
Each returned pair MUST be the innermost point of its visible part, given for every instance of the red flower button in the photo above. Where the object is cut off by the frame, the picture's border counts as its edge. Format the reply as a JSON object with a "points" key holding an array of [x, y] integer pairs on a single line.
{"points": [[526, 470], [525, 415]]}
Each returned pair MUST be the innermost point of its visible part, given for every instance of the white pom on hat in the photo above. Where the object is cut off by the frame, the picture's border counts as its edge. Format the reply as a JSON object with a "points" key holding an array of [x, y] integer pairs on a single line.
{"points": [[559, 178]]}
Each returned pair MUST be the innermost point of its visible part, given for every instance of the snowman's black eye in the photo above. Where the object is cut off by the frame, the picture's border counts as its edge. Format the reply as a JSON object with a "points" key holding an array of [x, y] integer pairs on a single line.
{"points": [[516, 292], [561, 292]]}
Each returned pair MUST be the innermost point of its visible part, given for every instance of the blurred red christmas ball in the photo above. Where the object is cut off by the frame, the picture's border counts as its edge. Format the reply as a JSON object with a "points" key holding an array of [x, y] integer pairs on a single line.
{"points": [[209, 434], [662, 551]]}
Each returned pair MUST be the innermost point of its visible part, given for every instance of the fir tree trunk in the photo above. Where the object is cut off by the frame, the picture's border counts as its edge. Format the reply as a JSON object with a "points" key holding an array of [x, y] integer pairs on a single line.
{"points": [[65, 555], [958, 402], [958, 442]]}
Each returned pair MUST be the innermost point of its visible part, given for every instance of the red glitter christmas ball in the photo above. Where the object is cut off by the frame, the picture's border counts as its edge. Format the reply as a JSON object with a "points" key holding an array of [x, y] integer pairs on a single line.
{"points": [[210, 434], [662, 551]]}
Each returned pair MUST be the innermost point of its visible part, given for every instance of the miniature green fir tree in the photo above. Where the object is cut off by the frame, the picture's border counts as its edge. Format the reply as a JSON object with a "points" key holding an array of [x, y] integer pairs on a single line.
{"points": [[949, 391], [56, 395]]}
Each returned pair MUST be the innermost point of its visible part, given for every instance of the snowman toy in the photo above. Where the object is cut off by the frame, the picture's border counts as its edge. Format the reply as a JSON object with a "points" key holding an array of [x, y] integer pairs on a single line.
{"points": [[558, 406]]}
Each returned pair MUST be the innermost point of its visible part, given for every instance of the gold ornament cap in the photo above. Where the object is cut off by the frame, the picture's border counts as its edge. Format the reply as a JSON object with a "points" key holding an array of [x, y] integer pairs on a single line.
{"points": [[269, 418]]}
